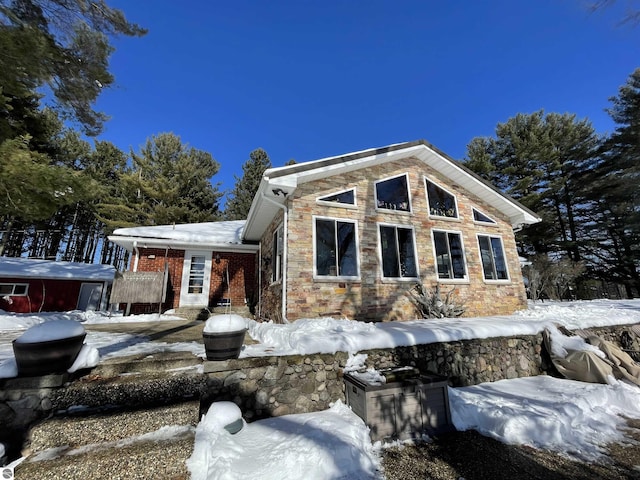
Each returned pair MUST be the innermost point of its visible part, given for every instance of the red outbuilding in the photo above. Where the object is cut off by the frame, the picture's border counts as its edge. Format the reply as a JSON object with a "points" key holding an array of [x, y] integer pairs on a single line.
{"points": [[32, 285]]}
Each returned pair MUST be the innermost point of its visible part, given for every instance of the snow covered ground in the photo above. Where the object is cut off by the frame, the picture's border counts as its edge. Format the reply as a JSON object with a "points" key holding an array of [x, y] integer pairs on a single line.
{"points": [[572, 418]]}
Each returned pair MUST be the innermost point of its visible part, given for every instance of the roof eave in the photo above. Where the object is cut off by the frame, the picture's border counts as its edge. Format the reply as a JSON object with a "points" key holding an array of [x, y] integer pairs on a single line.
{"points": [[129, 242]]}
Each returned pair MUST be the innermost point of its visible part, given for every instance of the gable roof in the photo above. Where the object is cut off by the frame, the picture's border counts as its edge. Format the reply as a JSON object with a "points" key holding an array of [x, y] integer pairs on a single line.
{"points": [[224, 236], [17, 267], [278, 183]]}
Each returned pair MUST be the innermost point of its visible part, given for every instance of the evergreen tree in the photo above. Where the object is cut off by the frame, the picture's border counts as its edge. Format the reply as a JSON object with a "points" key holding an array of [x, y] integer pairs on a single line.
{"points": [[539, 160], [238, 205], [615, 219], [59, 44], [171, 183], [32, 187]]}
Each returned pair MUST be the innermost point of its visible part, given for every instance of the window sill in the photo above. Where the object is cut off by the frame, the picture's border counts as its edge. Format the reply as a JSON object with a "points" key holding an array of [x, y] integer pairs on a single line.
{"points": [[395, 212], [485, 224], [458, 281], [328, 279], [446, 219], [337, 205], [399, 279]]}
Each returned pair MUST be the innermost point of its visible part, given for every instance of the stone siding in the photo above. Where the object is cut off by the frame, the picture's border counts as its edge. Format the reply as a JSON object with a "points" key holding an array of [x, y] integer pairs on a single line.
{"points": [[372, 298], [271, 292]]}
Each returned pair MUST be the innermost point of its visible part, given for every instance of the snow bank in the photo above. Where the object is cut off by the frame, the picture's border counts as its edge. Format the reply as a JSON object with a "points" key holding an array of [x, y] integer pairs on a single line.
{"points": [[324, 445], [573, 418], [88, 357]]}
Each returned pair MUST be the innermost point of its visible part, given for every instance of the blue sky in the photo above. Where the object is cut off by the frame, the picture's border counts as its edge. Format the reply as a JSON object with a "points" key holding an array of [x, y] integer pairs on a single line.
{"points": [[310, 79]]}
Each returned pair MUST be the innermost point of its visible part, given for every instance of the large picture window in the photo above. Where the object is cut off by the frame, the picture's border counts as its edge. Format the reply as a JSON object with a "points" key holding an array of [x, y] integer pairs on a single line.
{"points": [[398, 252], [494, 265], [393, 194], [278, 242], [441, 202], [336, 252], [450, 263]]}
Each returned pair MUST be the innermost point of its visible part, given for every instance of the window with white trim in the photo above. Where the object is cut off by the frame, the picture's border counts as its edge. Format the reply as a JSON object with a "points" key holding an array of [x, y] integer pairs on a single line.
{"points": [[276, 272], [14, 289], [336, 248], [480, 217], [441, 202], [449, 252], [494, 263], [340, 199], [196, 274], [393, 194], [397, 248]]}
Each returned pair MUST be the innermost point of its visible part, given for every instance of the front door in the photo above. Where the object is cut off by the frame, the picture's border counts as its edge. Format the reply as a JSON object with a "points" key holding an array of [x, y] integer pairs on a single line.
{"points": [[196, 276]]}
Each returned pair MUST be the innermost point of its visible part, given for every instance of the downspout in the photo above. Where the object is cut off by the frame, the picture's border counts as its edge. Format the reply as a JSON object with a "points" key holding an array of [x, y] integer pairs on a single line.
{"points": [[284, 254], [259, 280], [135, 249], [165, 276]]}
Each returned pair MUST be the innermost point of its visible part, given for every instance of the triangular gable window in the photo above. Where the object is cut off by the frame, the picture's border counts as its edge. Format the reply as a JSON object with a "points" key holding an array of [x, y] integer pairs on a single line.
{"points": [[343, 198], [478, 216], [441, 202]]}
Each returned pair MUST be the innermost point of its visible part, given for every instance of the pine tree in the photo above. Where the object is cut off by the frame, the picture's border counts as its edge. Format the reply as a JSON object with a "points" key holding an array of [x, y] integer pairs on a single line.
{"points": [[171, 183], [63, 45], [238, 205], [33, 188], [539, 159], [614, 191]]}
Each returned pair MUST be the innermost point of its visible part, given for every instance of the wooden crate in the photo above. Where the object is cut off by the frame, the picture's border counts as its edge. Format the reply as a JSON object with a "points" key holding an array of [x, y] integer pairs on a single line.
{"points": [[403, 409]]}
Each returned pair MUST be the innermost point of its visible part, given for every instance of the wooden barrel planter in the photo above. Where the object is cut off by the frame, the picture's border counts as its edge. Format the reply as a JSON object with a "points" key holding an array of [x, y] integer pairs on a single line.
{"points": [[223, 336], [223, 345], [36, 354]]}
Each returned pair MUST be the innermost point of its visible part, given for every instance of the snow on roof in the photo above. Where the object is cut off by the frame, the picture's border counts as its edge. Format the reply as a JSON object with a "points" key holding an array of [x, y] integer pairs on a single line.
{"points": [[36, 268], [219, 234]]}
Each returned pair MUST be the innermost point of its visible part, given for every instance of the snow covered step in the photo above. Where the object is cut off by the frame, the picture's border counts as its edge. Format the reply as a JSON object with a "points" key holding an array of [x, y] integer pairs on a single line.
{"points": [[75, 430], [157, 455], [144, 362]]}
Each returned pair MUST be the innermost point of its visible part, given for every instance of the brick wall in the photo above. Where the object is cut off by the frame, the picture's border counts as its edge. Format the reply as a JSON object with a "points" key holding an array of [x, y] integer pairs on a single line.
{"points": [[371, 298], [242, 276]]}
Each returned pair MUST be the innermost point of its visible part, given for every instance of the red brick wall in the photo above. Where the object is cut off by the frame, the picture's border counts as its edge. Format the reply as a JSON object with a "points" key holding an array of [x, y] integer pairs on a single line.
{"points": [[242, 276]]}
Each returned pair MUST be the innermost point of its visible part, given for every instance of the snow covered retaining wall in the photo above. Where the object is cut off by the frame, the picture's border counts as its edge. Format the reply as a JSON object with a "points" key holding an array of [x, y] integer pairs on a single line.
{"points": [[279, 385], [274, 386]]}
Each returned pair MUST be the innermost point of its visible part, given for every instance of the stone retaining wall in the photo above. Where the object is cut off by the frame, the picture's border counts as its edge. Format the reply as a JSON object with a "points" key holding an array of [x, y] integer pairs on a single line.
{"points": [[274, 386]]}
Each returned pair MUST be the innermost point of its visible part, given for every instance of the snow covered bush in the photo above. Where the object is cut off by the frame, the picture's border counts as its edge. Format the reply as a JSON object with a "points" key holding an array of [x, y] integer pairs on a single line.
{"points": [[430, 304]]}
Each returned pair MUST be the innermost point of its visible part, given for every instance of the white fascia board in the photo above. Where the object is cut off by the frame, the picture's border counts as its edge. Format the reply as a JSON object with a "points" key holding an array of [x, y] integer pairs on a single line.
{"points": [[163, 243], [516, 214], [262, 211], [352, 165]]}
